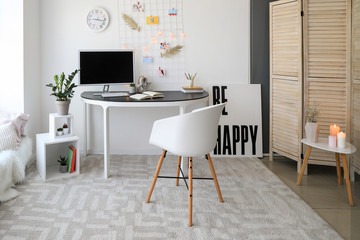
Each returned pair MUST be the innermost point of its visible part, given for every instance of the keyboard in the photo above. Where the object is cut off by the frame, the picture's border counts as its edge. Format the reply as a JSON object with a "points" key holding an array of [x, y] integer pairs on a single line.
{"points": [[115, 94]]}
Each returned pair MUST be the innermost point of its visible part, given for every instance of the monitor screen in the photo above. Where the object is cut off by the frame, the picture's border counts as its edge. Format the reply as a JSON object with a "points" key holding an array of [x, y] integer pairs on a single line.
{"points": [[104, 67]]}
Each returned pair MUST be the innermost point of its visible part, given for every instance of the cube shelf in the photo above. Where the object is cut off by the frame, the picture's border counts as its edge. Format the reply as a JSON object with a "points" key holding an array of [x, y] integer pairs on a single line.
{"points": [[57, 121]]}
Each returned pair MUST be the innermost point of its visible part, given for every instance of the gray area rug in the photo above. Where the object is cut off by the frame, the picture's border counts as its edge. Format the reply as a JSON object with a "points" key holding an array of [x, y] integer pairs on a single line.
{"points": [[257, 204]]}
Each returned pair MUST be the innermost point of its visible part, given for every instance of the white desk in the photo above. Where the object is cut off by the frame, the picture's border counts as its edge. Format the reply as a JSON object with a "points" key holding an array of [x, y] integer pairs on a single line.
{"points": [[171, 99], [323, 145]]}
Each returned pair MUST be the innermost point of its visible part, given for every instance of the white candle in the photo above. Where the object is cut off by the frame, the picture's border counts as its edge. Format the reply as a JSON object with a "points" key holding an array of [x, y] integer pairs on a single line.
{"points": [[341, 140], [332, 141]]}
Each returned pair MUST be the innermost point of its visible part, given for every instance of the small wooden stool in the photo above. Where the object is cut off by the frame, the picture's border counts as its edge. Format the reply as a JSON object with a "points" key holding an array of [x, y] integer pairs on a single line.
{"points": [[323, 145]]}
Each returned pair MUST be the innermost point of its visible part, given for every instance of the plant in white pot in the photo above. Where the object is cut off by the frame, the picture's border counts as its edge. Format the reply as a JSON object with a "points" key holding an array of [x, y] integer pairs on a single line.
{"points": [[65, 129], [132, 88], [63, 91], [63, 164], [312, 127], [59, 131]]}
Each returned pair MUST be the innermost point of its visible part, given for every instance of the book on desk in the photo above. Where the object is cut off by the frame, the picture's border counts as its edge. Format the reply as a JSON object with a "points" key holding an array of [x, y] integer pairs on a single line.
{"points": [[147, 95], [192, 89]]}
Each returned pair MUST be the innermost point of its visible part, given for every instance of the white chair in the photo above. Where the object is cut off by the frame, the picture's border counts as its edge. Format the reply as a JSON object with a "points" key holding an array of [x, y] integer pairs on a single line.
{"points": [[188, 135]]}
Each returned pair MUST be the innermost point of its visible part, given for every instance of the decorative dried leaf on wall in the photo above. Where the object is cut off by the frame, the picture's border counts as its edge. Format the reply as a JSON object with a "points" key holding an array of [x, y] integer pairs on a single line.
{"points": [[172, 51], [131, 22]]}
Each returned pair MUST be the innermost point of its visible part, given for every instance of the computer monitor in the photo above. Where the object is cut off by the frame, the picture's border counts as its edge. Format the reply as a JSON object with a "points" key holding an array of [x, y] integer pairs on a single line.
{"points": [[106, 67]]}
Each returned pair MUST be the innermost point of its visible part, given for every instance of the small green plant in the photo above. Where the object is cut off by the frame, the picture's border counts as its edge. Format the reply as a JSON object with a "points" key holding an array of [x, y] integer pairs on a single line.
{"points": [[63, 88], [63, 161], [59, 129], [312, 114], [65, 125], [132, 84]]}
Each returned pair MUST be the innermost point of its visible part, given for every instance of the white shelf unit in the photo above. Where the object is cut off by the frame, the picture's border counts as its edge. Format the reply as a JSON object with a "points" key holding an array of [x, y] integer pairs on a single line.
{"points": [[48, 151], [56, 121]]}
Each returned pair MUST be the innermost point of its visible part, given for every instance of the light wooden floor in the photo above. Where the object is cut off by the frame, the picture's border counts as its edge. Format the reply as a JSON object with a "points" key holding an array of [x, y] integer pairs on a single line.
{"points": [[320, 190]]}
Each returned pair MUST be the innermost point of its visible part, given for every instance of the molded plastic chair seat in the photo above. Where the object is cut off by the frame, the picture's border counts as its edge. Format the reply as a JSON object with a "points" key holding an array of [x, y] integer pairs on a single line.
{"points": [[188, 135]]}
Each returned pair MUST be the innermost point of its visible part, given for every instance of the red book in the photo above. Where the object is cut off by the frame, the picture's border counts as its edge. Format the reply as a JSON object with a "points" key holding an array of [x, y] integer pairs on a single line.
{"points": [[73, 159]]}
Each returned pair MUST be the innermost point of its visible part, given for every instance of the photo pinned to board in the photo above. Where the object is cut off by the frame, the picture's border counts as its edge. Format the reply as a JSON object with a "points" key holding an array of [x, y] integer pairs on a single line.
{"points": [[160, 72], [164, 45], [138, 7], [173, 12], [146, 57]]}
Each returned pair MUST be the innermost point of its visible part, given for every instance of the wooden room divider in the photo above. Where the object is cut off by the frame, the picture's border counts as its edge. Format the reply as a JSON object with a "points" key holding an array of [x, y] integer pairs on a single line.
{"points": [[355, 117], [322, 29]]}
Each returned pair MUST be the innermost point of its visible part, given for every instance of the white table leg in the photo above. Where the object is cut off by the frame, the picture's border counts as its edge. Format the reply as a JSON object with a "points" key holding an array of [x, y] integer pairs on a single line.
{"points": [[106, 142], [85, 128]]}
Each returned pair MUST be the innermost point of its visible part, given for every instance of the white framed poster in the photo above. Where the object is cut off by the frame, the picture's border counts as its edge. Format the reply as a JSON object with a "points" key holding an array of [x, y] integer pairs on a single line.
{"points": [[240, 126]]}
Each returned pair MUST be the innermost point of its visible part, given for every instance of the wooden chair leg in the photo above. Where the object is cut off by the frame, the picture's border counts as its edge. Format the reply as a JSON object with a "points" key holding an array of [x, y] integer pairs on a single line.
{"points": [[338, 168], [156, 175], [215, 178], [307, 154], [190, 190], [347, 180], [178, 170]]}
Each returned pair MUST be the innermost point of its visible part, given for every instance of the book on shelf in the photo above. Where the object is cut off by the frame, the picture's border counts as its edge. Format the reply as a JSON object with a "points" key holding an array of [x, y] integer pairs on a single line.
{"points": [[147, 95], [192, 89], [73, 164], [70, 159]]}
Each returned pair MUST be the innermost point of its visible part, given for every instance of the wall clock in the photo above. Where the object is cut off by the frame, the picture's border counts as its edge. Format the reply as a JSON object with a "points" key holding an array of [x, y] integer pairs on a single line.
{"points": [[97, 20]]}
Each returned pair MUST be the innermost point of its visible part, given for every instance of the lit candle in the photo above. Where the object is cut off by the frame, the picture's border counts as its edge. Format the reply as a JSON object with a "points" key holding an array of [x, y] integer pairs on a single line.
{"points": [[334, 130], [332, 141], [341, 140]]}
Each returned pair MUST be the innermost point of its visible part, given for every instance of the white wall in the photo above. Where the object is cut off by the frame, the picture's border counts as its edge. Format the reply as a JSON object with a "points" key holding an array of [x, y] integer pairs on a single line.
{"points": [[11, 56], [31, 79], [216, 46]]}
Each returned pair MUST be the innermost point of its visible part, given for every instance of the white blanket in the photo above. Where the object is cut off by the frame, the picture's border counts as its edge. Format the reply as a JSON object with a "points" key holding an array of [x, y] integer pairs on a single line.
{"points": [[12, 168]]}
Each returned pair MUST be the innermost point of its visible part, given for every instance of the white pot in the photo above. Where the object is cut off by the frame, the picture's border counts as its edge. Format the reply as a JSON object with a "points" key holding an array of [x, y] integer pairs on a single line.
{"points": [[312, 131], [66, 131], [59, 133], [132, 90]]}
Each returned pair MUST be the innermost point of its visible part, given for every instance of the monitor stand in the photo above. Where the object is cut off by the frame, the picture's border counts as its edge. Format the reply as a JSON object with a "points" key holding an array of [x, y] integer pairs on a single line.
{"points": [[105, 90]]}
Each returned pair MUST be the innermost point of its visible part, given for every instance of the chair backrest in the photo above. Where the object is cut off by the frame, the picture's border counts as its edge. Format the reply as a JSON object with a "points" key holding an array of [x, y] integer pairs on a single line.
{"points": [[191, 134]]}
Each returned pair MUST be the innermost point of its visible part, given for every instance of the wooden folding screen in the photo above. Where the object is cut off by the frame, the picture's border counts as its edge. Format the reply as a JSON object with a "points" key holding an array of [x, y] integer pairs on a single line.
{"points": [[285, 78], [355, 123], [310, 65], [327, 45]]}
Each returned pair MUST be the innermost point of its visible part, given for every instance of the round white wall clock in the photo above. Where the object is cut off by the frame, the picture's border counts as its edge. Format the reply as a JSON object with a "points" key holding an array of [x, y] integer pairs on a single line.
{"points": [[97, 20]]}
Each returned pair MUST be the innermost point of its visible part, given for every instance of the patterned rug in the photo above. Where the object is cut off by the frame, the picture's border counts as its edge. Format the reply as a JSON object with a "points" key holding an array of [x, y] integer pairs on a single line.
{"points": [[257, 204]]}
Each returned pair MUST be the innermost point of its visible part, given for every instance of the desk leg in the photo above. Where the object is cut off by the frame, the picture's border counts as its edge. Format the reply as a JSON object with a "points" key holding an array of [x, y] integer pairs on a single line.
{"points": [[307, 154], [347, 180], [338, 167], [85, 128], [106, 142]]}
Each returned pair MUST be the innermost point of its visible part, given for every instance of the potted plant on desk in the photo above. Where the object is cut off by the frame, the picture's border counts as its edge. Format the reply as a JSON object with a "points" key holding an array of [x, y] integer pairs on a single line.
{"points": [[63, 91], [132, 88], [63, 164], [312, 127]]}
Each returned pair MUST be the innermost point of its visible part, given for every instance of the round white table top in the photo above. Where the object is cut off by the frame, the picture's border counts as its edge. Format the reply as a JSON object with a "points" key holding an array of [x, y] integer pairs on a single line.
{"points": [[323, 144]]}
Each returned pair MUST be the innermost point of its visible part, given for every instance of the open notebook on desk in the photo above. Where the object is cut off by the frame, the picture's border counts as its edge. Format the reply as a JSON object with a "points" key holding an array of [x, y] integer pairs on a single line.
{"points": [[147, 95]]}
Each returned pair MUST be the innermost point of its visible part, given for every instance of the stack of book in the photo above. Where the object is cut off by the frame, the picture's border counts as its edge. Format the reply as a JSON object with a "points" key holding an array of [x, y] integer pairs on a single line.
{"points": [[71, 159], [192, 89]]}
